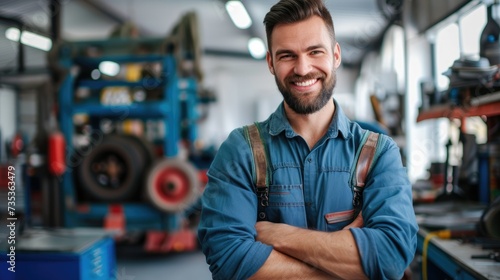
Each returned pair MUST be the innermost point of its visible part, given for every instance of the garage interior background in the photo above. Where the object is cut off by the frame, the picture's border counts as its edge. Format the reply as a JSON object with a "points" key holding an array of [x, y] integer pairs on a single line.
{"points": [[385, 53]]}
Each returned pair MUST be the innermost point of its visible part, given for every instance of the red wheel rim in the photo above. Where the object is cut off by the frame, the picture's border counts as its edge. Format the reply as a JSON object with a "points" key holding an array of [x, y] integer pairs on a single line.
{"points": [[171, 185]]}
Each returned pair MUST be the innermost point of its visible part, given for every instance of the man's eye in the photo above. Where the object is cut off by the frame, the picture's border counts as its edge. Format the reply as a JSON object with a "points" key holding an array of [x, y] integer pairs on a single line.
{"points": [[316, 52]]}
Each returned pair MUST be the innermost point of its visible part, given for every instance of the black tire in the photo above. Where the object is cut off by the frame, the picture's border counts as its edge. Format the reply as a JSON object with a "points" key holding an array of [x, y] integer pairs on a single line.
{"points": [[127, 160], [488, 224], [146, 149]]}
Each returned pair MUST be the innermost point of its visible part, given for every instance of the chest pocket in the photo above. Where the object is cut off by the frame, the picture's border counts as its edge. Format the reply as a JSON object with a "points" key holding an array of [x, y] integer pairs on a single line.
{"points": [[337, 220], [286, 205]]}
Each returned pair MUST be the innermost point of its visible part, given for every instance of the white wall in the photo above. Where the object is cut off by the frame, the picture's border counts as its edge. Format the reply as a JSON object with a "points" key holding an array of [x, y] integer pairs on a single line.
{"points": [[27, 113], [344, 92], [425, 140], [7, 117], [385, 71], [238, 84], [381, 73], [421, 137], [246, 92]]}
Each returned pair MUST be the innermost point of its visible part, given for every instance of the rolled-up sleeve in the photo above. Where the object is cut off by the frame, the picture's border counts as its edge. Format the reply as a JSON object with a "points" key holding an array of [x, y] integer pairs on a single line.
{"points": [[229, 209], [387, 242]]}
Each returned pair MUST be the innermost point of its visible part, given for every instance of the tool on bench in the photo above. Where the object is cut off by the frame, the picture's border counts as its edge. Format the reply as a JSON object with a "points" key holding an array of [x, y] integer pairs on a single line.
{"points": [[492, 256]]}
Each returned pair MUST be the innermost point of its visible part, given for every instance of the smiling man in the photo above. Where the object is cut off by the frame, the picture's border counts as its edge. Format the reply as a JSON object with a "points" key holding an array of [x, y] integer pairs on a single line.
{"points": [[305, 229]]}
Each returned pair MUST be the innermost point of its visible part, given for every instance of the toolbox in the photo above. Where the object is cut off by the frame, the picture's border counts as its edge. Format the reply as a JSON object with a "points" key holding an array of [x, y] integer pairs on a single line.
{"points": [[59, 255]]}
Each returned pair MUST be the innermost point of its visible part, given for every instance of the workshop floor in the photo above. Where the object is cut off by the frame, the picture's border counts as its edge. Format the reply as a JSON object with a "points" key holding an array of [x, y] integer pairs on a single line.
{"points": [[134, 265]]}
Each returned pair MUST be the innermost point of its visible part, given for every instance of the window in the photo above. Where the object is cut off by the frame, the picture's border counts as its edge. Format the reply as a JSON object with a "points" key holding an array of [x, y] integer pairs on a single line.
{"points": [[447, 50], [471, 25], [458, 40]]}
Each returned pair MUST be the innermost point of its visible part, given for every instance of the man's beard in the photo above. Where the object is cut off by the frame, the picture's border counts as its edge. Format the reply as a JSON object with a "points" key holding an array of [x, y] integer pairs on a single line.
{"points": [[294, 100]]}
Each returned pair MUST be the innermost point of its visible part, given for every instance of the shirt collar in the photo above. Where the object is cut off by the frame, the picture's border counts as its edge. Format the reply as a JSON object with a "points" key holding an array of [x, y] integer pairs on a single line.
{"points": [[340, 123]]}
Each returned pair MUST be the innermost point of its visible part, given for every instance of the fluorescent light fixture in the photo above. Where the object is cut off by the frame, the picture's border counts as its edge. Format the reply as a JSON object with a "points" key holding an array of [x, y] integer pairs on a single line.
{"points": [[238, 14], [109, 68], [13, 34], [29, 38], [36, 41], [257, 48]]}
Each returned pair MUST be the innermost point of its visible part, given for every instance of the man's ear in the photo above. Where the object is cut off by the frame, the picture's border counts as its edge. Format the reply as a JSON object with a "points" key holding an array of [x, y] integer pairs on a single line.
{"points": [[269, 60], [337, 55]]}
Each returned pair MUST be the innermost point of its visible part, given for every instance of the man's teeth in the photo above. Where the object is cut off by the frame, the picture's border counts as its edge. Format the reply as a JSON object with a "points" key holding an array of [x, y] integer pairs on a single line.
{"points": [[305, 83]]}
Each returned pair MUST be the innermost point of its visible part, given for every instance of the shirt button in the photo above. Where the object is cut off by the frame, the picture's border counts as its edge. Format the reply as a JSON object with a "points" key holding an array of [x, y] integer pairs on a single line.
{"points": [[309, 160]]}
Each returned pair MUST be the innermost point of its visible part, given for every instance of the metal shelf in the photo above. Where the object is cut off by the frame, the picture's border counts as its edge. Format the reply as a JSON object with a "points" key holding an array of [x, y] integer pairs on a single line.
{"points": [[142, 110], [94, 61], [453, 112], [168, 108], [137, 214], [99, 84], [170, 100]]}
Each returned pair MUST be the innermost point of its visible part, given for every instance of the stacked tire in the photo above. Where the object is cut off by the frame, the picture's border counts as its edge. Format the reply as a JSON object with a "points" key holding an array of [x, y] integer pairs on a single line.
{"points": [[122, 168], [114, 169]]}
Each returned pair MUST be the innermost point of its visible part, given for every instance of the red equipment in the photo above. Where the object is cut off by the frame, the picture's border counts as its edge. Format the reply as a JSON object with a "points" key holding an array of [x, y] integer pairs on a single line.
{"points": [[57, 154]]}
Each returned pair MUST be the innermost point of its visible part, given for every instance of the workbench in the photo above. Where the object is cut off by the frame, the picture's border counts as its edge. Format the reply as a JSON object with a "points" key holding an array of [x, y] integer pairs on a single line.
{"points": [[453, 257]]}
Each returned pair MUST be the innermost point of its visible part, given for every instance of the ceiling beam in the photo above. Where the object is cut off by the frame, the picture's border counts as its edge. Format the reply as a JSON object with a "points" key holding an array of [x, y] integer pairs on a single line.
{"points": [[105, 11], [55, 20], [113, 15]]}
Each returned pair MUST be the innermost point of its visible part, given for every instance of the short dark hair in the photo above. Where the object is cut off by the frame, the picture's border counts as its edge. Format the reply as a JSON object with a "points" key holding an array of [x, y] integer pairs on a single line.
{"points": [[291, 11]]}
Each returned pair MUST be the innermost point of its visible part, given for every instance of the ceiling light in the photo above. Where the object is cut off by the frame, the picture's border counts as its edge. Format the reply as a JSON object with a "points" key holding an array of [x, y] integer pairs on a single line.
{"points": [[13, 34], [238, 14], [36, 41], [109, 68], [257, 48], [29, 38]]}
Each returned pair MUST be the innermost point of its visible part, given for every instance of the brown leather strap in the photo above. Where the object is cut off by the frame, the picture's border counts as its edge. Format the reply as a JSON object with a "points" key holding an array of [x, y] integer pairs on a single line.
{"points": [[365, 159], [259, 156], [261, 174]]}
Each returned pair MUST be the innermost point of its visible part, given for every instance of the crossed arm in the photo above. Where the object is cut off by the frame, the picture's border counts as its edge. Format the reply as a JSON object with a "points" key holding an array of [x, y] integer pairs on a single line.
{"points": [[300, 253]]}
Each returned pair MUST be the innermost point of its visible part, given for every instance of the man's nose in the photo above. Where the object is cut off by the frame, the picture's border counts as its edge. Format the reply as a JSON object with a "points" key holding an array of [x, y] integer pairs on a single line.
{"points": [[302, 66]]}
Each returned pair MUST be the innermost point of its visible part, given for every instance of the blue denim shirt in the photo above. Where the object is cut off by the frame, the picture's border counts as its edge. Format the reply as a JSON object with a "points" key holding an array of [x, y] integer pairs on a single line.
{"points": [[310, 188]]}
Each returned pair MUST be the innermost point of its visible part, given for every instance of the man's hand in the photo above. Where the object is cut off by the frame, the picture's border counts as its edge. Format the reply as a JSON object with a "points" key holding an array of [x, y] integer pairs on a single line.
{"points": [[357, 223]]}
